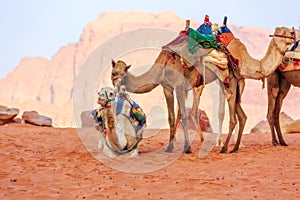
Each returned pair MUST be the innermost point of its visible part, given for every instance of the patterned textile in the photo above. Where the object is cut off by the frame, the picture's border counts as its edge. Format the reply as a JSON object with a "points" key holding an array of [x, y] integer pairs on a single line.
{"points": [[205, 29], [131, 109], [179, 46], [187, 43], [218, 58], [224, 35], [290, 66], [197, 40], [223, 29], [291, 59]]}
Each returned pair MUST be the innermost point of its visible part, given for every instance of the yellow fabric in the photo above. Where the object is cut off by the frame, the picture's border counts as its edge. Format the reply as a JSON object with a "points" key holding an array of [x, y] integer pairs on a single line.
{"points": [[218, 58]]}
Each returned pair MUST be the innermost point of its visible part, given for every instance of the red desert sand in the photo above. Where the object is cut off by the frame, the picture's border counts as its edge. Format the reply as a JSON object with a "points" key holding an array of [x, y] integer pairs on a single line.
{"points": [[53, 163]]}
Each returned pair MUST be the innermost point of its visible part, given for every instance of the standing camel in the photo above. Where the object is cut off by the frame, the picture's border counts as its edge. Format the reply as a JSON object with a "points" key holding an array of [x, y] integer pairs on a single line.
{"points": [[252, 68], [278, 85]]}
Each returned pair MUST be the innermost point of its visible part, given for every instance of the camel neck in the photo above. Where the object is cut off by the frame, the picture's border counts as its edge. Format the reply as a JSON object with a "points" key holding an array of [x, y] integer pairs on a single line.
{"points": [[254, 68], [145, 82]]}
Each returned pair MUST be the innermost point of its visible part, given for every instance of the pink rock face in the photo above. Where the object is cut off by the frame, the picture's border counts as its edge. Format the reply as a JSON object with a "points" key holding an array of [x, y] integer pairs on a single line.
{"points": [[7, 114], [35, 118]]}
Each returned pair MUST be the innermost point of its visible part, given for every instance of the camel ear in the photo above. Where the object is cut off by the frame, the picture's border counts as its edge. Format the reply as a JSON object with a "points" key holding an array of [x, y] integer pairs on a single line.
{"points": [[113, 63], [127, 67]]}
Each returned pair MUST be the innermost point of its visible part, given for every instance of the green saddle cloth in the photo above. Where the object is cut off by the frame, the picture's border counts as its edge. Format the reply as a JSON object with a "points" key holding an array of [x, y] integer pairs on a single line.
{"points": [[197, 40]]}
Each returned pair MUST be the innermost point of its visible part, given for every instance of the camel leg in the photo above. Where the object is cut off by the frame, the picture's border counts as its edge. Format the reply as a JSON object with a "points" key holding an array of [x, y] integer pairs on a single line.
{"points": [[171, 117], [272, 88], [241, 83], [181, 103], [232, 111], [242, 121], [283, 90], [197, 93], [177, 122]]}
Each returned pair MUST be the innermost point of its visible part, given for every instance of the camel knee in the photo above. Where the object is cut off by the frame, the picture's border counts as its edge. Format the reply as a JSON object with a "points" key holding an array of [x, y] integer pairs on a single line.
{"points": [[275, 91], [243, 119], [270, 118], [232, 124]]}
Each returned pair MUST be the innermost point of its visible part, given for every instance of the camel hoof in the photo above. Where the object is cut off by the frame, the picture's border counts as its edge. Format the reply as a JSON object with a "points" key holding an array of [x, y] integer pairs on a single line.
{"points": [[283, 144], [223, 150], [187, 151], [234, 151], [169, 148]]}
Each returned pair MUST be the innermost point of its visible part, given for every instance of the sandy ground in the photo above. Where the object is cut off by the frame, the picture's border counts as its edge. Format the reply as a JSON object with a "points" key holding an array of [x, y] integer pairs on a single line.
{"points": [[53, 163]]}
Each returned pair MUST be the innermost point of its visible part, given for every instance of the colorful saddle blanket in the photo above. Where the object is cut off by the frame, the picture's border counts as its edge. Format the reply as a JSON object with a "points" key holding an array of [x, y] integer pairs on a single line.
{"points": [[198, 40], [187, 43], [180, 46]]}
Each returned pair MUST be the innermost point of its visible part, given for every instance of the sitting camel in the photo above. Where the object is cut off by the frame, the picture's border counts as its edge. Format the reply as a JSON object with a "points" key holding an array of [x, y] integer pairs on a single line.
{"points": [[120, 121]]}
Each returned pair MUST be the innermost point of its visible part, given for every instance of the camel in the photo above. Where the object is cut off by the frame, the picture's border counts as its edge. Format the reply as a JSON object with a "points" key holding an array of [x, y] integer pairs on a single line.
{"points": [[251, 68], [118, 125], [278, 85], [255, 71]]}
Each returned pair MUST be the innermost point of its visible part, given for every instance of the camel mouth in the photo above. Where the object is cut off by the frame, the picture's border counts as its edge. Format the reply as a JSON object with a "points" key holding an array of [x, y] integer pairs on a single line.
{"points": [[116, 81]]}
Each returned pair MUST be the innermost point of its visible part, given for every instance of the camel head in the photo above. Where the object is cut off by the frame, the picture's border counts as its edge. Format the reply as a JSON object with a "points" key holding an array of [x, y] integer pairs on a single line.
{"points": [[105, 96], [119, 69], [283, 37]]}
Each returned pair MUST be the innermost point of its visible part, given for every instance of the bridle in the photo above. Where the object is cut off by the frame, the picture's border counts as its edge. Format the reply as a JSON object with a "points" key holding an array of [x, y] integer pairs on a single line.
{"points": [[107, 98], [293, 37], [285, 36]]}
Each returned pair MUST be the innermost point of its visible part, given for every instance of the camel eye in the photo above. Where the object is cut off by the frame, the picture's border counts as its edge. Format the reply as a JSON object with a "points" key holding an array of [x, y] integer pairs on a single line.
{"points": [[111, 94]]}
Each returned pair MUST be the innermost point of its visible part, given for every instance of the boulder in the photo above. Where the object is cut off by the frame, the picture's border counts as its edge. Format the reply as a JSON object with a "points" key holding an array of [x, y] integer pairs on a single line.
{"points": [[263, 126], [35, 118], [7, 114], [203, 120], [293, 127]]}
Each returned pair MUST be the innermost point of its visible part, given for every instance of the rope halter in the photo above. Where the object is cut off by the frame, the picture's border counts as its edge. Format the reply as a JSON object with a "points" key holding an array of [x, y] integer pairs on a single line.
{"points": [[106, 95]]}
